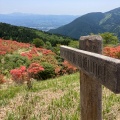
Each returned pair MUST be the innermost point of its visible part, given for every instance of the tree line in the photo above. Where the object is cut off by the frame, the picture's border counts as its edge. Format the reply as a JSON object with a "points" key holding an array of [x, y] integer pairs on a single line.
{"points": [[27, 35]]}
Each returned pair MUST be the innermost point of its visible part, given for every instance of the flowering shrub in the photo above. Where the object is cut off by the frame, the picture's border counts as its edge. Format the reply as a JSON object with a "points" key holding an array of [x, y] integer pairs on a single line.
{"points": [[9, 46], [31, 54], [34, 69], [2, 80], [34, 52], [112, 52], [45, 51], [32, 59], [47, 56], [68, 68], [2, 52], [19, 75], [58, 70]]}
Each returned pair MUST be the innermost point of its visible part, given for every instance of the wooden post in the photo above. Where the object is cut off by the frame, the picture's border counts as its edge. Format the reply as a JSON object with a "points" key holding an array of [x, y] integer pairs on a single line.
{"points": [[96, 70], [90, 89]]}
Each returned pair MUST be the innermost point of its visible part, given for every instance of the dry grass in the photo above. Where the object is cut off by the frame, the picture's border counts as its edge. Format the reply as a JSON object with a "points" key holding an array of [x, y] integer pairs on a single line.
{"points": [[56, 99]]}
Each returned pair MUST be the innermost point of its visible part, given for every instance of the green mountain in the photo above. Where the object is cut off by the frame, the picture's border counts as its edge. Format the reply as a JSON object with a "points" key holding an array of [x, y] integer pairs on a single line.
{"points": [[95, 23], [27, 35]]}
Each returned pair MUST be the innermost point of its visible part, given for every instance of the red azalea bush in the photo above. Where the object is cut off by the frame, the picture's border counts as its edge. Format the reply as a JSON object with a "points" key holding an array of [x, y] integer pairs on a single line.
{"points": [[52, 66], [9, 46], [45, 51], [2, 52], [112, 52], [34, 69], [68, 68], [2, 80], [19, 75], [32, 53], [47, 56]]}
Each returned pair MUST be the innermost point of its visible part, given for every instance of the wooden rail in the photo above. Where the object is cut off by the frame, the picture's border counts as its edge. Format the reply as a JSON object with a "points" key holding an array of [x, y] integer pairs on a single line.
{"points": [[96, 70]]}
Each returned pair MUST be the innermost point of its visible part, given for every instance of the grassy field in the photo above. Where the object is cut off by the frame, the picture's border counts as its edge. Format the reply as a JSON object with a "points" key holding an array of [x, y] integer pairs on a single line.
{"points": [[54, 99]]}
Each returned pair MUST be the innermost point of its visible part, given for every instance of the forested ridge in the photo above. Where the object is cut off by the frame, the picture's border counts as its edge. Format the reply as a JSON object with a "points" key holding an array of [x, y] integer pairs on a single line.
{"points": [[95, 22], [27, 35]]}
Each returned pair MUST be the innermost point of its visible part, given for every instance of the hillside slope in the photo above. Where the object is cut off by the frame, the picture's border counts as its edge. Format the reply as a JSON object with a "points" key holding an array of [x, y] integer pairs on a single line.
{"points": [[26, 35], [92, 23], [53, 99]]}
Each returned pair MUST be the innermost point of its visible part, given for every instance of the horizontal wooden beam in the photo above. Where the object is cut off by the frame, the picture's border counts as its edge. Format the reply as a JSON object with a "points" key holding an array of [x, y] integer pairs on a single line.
{"points": [[102, 68]]}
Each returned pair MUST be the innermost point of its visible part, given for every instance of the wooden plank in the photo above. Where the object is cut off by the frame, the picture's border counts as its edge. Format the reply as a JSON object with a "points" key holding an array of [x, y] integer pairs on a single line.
{"points": [[102, 68]]}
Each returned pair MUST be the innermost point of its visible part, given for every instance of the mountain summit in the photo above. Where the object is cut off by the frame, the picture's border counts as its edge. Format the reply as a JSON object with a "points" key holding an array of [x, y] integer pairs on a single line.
{"points": [[95, 22]]}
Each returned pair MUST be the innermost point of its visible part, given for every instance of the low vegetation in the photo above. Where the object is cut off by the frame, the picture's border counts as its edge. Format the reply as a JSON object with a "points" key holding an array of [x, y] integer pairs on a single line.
{"points": [[57, 98], [54, 99], [22, 61]]}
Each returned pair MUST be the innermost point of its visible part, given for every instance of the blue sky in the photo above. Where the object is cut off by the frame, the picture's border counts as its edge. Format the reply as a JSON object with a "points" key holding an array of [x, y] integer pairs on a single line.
{"points": [[59, 7]]}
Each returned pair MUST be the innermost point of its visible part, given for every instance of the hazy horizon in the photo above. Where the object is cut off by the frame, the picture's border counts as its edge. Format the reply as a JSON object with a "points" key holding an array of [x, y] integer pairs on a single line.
{"points": [[57, 7]]}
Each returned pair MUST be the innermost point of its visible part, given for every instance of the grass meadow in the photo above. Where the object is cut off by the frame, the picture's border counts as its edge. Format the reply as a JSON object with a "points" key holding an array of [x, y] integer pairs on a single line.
{"points": [[53, 99]]}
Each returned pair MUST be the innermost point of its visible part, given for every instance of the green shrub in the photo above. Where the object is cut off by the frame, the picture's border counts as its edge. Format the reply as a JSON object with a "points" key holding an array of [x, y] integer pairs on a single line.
{"points": [[48, 45], [48, 72], [13, 61], [38, 42]]}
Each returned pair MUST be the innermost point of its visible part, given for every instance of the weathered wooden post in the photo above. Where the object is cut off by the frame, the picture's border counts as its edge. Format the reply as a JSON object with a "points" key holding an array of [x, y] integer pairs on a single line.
{"points": [[90, 89], [95, 69]]}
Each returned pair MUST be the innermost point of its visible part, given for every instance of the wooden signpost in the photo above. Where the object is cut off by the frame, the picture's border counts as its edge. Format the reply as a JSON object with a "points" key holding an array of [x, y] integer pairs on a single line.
{"points": [[95, 70]]}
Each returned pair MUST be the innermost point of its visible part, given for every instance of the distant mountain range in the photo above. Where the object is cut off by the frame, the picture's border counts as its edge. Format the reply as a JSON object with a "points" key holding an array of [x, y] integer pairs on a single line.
{"points": [[95, 23], [41, 22]]}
